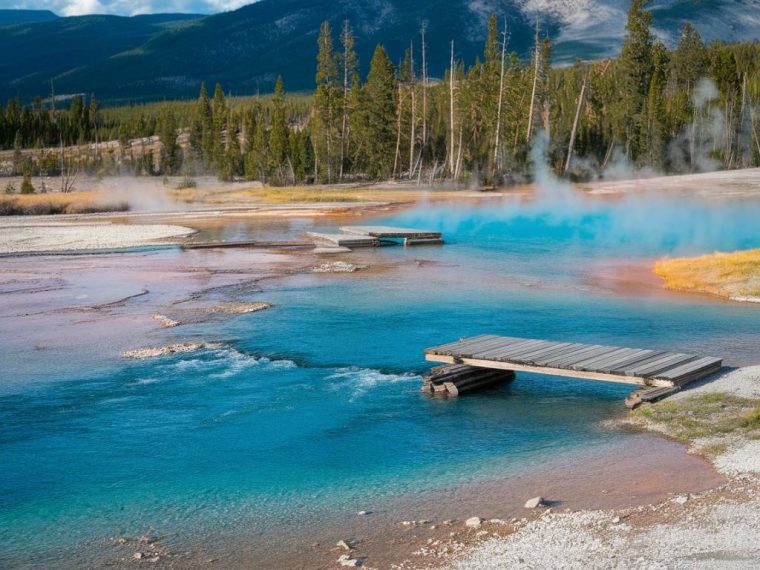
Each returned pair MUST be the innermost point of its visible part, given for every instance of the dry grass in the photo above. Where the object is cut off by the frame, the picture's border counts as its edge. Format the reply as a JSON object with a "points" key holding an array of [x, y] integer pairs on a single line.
{"points": [[58, 203], [729, 275], [305, 195]]}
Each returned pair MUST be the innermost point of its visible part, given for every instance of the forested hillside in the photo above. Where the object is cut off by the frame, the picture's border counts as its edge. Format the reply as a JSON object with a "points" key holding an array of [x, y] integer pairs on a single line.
{"points": [[153, 58], [684, 109]]}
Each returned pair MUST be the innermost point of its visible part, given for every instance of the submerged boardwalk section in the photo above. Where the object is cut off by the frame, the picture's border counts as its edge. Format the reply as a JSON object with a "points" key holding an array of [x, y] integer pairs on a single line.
{"points": [[410, 236], [344, 240], [656, 368]]}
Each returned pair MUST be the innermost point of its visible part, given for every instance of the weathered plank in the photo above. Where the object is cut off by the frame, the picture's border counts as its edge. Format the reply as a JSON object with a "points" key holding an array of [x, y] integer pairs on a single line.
{"points": [[344, 240], [647, 367], [391, 232]]}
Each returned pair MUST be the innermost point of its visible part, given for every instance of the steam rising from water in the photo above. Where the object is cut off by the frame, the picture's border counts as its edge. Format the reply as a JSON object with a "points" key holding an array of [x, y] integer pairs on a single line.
{"points": [[141, 194], [644, 223]]}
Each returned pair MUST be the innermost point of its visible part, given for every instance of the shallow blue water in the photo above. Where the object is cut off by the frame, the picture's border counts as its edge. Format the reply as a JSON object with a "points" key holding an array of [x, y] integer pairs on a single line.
{"points": [[314, 404]]}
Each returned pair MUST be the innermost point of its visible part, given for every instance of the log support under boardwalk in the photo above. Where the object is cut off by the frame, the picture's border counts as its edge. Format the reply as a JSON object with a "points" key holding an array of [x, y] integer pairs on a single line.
{"points": [[460, 379]]}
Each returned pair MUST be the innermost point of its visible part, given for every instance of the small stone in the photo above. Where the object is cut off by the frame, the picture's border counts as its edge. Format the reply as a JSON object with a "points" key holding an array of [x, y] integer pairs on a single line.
{"points": [[406, 523], [153, 559], [534, 503], [364, 513], [473, 522], [424, 521], [343, 544], [681, 500], [433, 527], [449, 521], [346, 560], [616, 520], [481, 533], [137, 555], [497, 521], [122, 540]]}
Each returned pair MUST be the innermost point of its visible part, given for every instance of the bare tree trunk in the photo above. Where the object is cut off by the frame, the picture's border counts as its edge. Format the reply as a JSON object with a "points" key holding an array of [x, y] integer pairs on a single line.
{"points": [[451, 111], [459, 155], [576, 120], [501, 99], [344, 125], [414, 110], [424, 88], [329, 145], [608, 154], [536, 68], [398, 130]]}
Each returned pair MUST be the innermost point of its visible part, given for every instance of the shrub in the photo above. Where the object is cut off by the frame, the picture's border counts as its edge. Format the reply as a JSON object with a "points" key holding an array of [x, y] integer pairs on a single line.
{"points": [[10, 188], [186, 182], [26, 185]]}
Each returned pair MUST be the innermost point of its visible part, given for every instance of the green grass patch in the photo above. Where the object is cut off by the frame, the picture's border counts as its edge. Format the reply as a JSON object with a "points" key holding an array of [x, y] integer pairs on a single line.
{"points": [[705, 415]]}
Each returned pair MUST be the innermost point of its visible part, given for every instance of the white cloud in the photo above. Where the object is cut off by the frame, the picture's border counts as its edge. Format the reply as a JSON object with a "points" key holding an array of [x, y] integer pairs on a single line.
{"points": [[80, 7], [126, 7]]}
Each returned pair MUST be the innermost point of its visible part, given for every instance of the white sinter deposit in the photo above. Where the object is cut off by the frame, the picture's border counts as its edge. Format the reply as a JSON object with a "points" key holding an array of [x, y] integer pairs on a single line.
{"points": [[21, 236]]}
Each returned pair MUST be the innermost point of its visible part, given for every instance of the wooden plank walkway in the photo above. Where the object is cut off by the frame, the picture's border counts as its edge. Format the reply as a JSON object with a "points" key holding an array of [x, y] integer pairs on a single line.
{"points": [[410, 236], [344, 240], [656, 368]]}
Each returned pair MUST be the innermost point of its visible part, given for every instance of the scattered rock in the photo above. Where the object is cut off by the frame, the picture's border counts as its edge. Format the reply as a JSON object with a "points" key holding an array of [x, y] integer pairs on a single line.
{"points": [[364, 513], [154, 559], [121, 540], [240, 308], [534, 503], [182, 347], [165, 321], [338, 267], [424, 521], [346, 560], [343, 544], [681, 499], [137, 555], [497, 521], [616, 520], [473, 522]]}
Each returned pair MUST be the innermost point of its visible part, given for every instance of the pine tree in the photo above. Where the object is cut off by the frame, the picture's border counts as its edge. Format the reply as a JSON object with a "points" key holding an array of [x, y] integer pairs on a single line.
{"points": [[349, 63], [690, 58], [215, 141], [167, 133], [380, 109], [636, 71], [278, 136], [201, 127], [326, 104]]}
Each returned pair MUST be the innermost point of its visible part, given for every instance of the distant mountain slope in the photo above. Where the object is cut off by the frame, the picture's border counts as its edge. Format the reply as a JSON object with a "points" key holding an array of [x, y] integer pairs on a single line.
{"points": [[68, 47], [25, 16], [167, 56]]}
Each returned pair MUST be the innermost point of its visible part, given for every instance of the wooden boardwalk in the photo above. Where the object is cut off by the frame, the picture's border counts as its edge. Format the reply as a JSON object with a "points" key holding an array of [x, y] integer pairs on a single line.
{"points": [[344, 240], [410, 236], [656, 368]]}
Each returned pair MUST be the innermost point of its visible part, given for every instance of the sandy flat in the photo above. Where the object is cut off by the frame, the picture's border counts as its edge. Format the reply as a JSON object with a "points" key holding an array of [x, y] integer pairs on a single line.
{"points": [[24, 238]]}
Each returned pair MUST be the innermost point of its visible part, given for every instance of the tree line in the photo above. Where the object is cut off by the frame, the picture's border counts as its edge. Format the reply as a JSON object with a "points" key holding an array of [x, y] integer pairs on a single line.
{"points": [[684, 109]]}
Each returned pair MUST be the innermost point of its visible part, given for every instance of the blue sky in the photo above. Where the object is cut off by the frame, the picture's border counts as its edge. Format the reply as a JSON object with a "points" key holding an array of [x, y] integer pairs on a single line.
{"points": [[126, 7]]}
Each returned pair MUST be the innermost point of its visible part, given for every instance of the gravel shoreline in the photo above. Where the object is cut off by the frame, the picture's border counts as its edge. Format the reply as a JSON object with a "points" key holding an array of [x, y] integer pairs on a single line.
{"points": [[717, 528]]}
